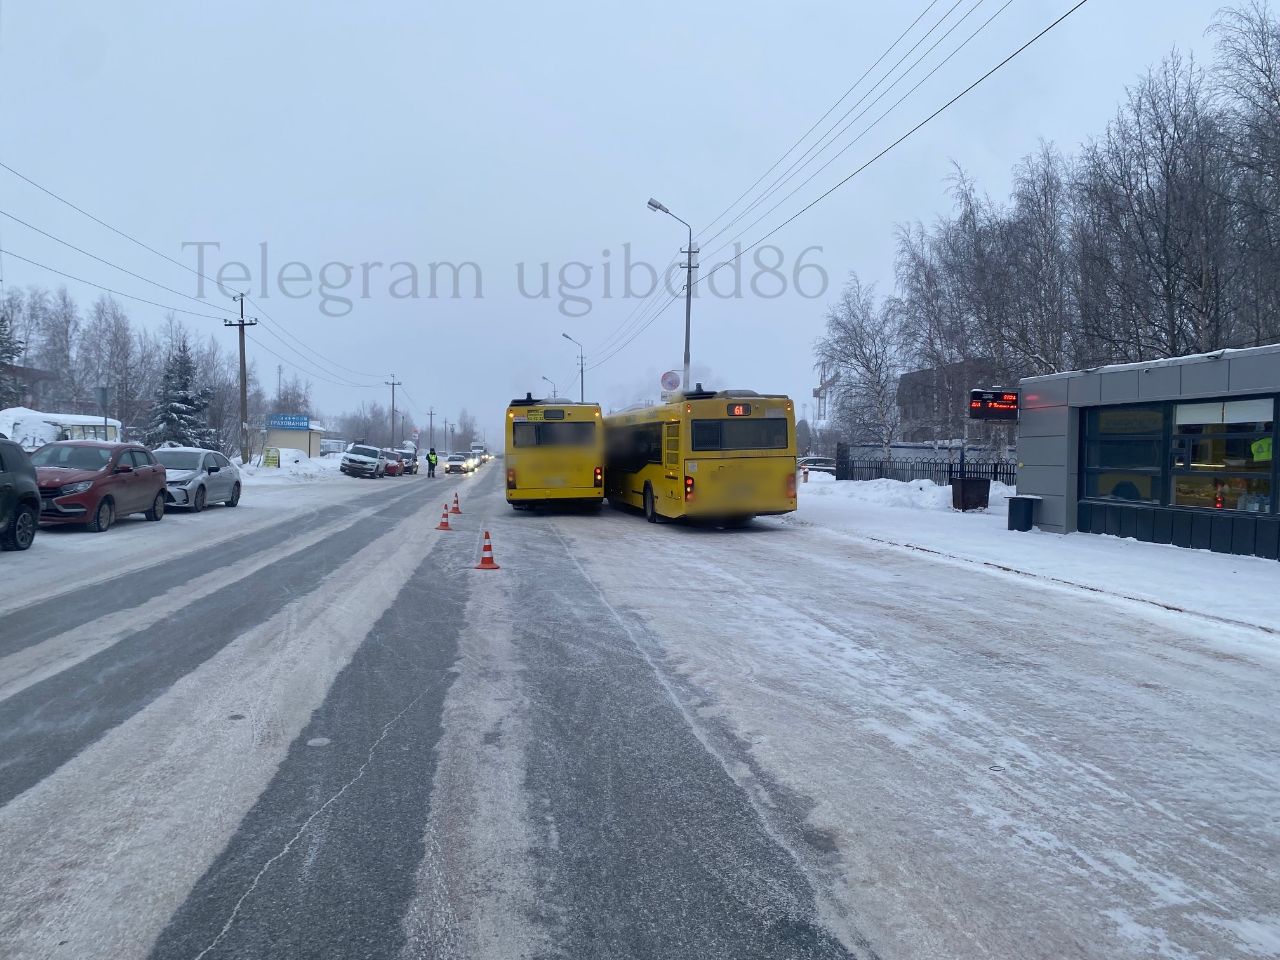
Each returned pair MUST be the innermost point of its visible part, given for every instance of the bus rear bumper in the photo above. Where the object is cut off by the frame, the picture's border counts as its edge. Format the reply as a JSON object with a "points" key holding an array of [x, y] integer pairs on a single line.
{"points": [[542, 495]]}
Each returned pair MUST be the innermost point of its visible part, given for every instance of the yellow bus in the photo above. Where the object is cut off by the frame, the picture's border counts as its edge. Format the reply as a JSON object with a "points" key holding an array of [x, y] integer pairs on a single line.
{"points": [[726, 456], [554, 452]]}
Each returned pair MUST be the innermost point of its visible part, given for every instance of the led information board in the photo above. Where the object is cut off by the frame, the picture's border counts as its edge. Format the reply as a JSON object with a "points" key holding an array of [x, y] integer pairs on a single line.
{"points": [[993, 404]]}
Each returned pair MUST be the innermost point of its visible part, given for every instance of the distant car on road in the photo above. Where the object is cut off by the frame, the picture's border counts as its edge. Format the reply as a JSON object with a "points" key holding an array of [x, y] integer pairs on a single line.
{"points": [[19, 498], [457, 463], [817, 464], [96, 483], [363, 461], [195, 477]]}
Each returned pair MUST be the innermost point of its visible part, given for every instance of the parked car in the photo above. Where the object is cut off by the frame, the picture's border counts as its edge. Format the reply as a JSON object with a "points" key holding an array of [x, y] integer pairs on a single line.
{"points": [[410, 458], [19, 498], [195, 477], [817, 464], [96, 483], [364, 461], [395, 466], [457, 463]]}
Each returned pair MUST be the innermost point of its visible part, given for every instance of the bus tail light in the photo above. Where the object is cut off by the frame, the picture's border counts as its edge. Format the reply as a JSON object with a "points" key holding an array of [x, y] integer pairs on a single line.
{"points": [[791, 484], [599, 479], [688, 489], [511, 479]]}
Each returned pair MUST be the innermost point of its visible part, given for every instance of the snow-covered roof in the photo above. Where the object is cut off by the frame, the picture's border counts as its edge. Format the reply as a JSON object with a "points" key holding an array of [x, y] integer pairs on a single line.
{"points": [[12, 414], [1224, 354]]}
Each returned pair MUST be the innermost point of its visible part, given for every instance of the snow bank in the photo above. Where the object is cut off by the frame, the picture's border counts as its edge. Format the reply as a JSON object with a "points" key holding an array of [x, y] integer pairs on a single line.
{"points": [[920, 494], [918, 514], [295, 467]]}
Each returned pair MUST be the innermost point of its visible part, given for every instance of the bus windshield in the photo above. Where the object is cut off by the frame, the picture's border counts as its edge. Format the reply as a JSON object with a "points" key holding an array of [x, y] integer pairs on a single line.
{"points": [[562, 434], [732, 434]]}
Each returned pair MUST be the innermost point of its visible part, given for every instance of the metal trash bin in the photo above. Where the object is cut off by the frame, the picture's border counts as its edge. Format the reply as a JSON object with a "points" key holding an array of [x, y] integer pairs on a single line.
{"points": [[970, 493], [1022, 513]]}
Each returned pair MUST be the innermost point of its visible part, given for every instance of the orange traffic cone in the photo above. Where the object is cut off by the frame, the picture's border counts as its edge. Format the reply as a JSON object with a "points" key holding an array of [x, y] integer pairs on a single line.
{"points": [[457, 508], [444, 520], [486, 555]]}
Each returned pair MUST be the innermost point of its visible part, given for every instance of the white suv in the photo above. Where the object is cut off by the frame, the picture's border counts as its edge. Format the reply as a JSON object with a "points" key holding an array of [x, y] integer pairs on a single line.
{"points": [[364, 461]]}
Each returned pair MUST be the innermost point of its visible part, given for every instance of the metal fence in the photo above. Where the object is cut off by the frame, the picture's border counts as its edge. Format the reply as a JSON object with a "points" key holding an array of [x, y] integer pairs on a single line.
{"points": [[939, 471]]}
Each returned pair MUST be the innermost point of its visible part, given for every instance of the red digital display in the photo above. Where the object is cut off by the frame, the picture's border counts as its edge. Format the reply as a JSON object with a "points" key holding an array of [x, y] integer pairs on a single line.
{"points": [[993, 404], [739, 409]]}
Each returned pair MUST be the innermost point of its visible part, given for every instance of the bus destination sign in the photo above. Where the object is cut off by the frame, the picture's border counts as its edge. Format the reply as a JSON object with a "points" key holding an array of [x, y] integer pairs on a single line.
{"points": [[993, 404]]}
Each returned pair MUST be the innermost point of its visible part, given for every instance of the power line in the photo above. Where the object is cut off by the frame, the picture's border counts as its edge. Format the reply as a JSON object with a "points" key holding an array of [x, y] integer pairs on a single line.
{"points": [[154, 283], [831, 109], [906, 136], [654, 315], [823, 143], [874, 123], [118, 293], [179, 263], [900, 140], [293, 366], [635, 322], [136, 276]]}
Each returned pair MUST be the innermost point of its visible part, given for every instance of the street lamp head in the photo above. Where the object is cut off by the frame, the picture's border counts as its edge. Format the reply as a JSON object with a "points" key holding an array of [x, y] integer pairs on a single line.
{"points": [[566, 336], [656, 206]]}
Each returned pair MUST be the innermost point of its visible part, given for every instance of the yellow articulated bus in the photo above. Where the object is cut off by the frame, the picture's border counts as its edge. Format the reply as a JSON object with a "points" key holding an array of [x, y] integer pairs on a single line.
{"points": [[725, 456], [554, 452]]}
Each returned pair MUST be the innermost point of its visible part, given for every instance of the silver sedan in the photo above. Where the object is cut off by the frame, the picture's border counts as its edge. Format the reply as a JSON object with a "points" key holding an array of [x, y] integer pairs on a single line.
{"points": [[195, 478]]}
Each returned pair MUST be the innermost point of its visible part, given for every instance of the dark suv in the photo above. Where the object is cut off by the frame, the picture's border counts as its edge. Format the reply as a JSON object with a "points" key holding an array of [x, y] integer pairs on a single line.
{"points": [[96, 483], [19, 498]]}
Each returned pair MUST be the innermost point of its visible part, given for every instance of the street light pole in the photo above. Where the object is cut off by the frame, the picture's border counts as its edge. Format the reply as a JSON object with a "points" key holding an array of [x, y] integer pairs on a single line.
{"points": [[554, 392], [582, 385], [690, 266]]}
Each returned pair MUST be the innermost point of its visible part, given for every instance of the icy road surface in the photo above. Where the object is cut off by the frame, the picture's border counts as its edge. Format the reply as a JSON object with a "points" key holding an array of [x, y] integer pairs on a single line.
{"points": [[307, 728]]}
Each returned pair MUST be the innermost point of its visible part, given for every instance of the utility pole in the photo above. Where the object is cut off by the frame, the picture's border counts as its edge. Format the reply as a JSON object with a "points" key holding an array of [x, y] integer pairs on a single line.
{"points": [[244, 379], [582, 382], [393, 383], [431, 416], [445, 430], [690, 265]]}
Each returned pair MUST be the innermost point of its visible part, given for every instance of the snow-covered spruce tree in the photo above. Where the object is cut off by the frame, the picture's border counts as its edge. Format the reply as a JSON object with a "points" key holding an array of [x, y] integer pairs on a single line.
{"points": [[10, 347], [178, 417]]}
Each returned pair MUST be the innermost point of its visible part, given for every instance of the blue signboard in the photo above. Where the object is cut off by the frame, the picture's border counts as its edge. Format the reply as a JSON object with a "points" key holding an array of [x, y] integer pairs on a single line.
{"points": [[288, 421]]}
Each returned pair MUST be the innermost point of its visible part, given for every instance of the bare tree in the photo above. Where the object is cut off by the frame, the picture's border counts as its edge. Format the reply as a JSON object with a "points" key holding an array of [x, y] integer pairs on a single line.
{"points": [[863, 346]]}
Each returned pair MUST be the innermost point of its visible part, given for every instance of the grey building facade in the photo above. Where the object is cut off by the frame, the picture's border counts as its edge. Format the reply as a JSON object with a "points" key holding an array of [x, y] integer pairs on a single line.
{"points": [[1169, 451]]}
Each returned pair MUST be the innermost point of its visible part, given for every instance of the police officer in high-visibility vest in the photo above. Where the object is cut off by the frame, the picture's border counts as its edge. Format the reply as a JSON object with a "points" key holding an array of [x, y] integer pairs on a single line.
{"points": [[432, 460]]}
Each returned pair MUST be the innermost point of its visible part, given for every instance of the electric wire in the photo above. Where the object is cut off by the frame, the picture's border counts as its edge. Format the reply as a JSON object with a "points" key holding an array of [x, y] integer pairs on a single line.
{"points": [[823, 144], [900, 140], [118, 293], [816, 123], [869, 127], [132, 239]]}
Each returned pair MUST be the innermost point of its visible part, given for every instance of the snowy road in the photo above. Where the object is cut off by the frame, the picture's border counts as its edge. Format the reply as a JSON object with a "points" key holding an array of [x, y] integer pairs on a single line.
{"points": [[320, 733]]}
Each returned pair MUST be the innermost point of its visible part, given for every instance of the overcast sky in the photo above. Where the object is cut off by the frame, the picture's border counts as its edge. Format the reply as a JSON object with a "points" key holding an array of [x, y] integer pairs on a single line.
{"points": [[503, 134]]}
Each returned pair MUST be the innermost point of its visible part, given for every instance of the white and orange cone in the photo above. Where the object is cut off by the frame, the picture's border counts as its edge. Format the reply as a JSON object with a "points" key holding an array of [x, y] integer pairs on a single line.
{"points": [[486, 555], [444, 520], [457, 507]]}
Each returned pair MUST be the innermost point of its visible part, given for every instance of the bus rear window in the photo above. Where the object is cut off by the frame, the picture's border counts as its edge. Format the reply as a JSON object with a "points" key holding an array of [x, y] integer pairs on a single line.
{"points": [[564, 434], [762, 434]]}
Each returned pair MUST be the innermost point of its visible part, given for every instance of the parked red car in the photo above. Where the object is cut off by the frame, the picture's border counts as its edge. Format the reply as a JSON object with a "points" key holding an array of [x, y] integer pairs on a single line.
{"points": [[395, 466], [95, 483]]}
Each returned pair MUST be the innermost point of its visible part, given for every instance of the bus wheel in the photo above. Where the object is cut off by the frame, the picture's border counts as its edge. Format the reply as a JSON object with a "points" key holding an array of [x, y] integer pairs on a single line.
{"points": [[650, 511]]}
